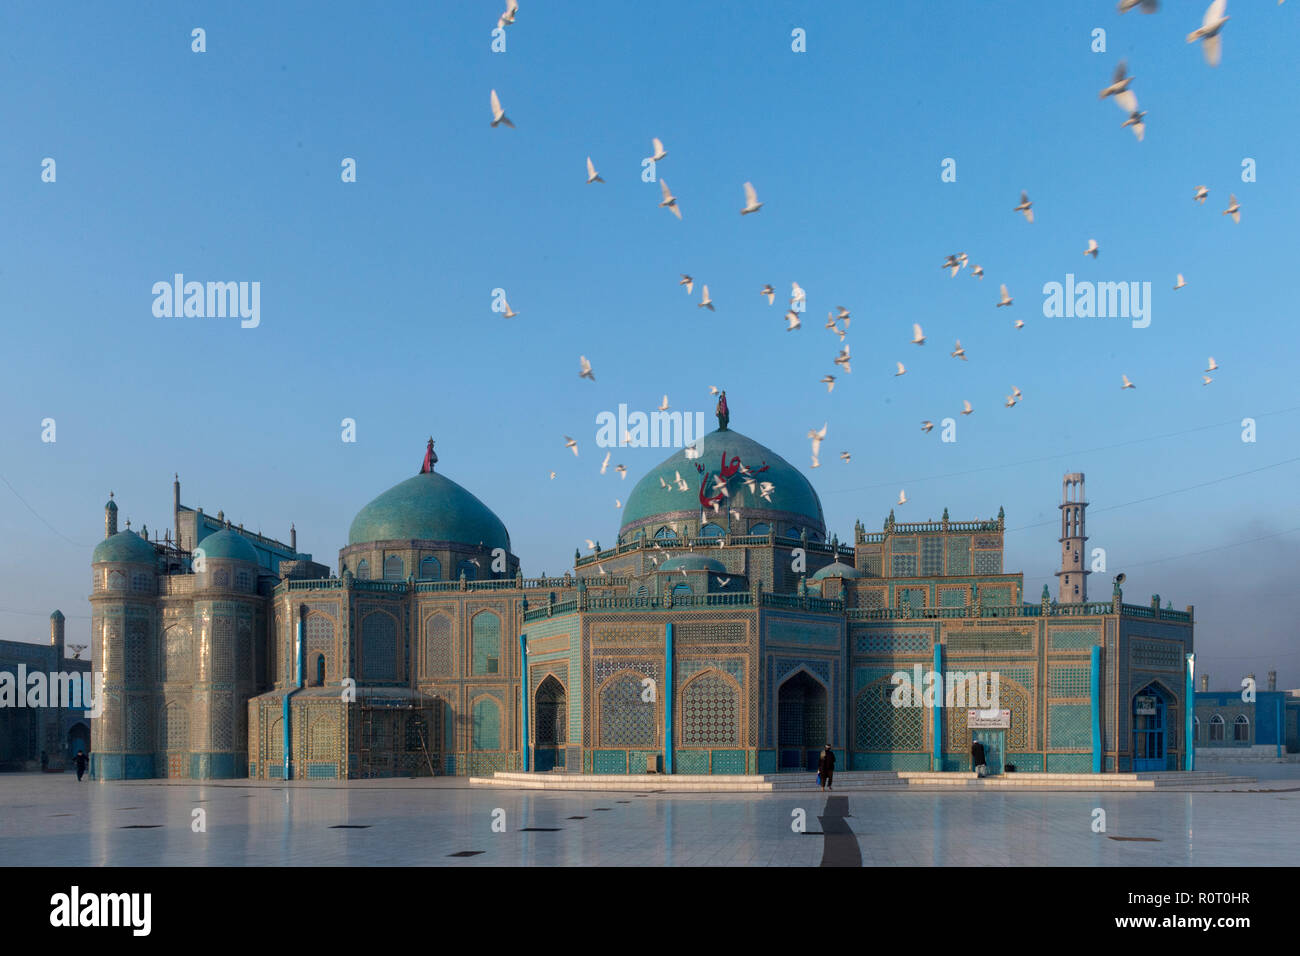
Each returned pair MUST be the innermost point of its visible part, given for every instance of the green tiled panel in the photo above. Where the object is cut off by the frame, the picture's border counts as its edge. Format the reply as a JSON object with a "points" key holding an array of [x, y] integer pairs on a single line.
{"points": [[956, 763], [1069, 763], [691, 761], [766, 761], [636, 759], [611, 761], [1026, 763], [891, 761], [1070, 725], [728, 761]]}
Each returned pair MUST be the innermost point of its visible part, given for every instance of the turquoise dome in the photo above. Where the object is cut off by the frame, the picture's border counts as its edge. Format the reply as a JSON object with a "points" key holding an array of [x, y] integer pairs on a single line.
{"points": [[429, 507], [792, 499], [694, 562], [837, 570], [124, 546], [229, 546]]}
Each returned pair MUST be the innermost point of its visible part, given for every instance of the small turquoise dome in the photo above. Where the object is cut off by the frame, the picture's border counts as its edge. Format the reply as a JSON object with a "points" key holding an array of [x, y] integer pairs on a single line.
{"points": [[837, 570], [110, 505], [429, 507], [124, 546], [694, 562], [791, 498], [228, 546]]}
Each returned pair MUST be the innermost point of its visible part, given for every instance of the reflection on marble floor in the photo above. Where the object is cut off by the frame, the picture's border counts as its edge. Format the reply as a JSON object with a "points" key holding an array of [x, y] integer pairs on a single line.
{"points": [[49, 819]]}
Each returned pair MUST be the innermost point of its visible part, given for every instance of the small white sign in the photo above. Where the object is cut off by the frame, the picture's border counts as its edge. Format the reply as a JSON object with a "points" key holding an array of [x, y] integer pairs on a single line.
{"points": [[1144, 706], [988, 719]]}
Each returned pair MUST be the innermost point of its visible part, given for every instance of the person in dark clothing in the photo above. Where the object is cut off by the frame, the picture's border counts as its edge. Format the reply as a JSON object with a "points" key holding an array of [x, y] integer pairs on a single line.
{"points": [[45, 761], [826, 767], [81, 761], [977, 758]]}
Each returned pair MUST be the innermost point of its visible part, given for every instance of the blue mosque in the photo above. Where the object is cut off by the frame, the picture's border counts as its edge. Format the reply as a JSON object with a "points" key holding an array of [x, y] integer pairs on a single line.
{"points": [[724, 631]]}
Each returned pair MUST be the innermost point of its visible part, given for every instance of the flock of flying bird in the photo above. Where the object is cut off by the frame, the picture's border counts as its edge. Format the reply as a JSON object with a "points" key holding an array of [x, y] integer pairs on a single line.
{"points": [[1119, 89]]}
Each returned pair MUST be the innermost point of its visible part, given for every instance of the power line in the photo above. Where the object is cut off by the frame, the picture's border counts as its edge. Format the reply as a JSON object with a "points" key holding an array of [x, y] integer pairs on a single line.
{"points": [[75, 544]]}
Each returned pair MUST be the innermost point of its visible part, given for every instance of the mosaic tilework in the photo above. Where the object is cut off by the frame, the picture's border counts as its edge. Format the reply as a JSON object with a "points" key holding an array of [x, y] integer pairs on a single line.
{"points": [[974, 639], [378, 647], [223, 641], [690, 761], [880, 761], [787, 665], [625, 719], [604, 667], [953, 597], [319, 633], [904, 545], [485, 643], [1028, 763], [611, 761], [878, 725], [735, 666], [138, 730], [871, 597], [717, 632], [1073, 638], [323, 736], [959, 555], [1156, 654], [1069, 726], [178, 653], [244, 651], [903, 565], [932, 556], [322, 771], [880, 643], [137, 650], [728, 761], [710, 711], [486, 722], [999, 596], [988, 562], [1069, 763], [1068, 681], [916, 597], [793, 631], [438, 646], [175, 730], [550, 714], [221, 723]]}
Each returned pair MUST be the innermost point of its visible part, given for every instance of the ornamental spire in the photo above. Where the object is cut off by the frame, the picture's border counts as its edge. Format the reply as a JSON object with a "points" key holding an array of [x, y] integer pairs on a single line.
{"points": [[430, 458], [724, 416]]}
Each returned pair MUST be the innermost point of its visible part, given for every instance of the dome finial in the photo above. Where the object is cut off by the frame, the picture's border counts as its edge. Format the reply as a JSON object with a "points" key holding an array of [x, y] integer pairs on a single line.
{"points": [[430, 458], [724, 416]]}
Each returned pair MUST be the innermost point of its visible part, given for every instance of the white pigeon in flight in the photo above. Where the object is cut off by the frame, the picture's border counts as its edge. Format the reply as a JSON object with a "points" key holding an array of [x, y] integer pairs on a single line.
{"points": [[592, 175], [705, 302], [797, 293], [918, 337], [966, 408], [1214, 366], [605, 464], [829, 381], [1025, 207], [509, 313], [688, 282], [1206, 380], [901, 370], [1134, 120], [1201, 194], [816, 437], [792, 320], [1092, 248], [770, 293], [1127, 383], [512, 7], [498, 114], [927, 425], [1006, 298], [663, 406], [1208, 31], [586, 368], [572, 445], [1148, 6], [669, 199], [1119, 84], [751, 200], [842, 360], [959, 352], [1233, 210], [659, 151], [1181, 283], [977, 271], [902, 497]]}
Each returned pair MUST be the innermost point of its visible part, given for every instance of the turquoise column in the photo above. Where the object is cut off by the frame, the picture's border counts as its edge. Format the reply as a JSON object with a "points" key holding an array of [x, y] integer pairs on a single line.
{"points": [[1094, 689], [936, 756], [523, 699], [1189, 729], [668, 697], [1280, 731], [299, 650]]}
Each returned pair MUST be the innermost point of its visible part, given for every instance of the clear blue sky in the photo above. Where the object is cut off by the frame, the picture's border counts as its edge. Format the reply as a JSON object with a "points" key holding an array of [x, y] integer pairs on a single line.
{"points": [[375, 296]]}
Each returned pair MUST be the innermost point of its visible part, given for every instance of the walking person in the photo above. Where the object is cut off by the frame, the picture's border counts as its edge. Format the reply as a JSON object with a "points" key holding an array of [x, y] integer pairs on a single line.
{"points": [[81, 761], [826, 768], [977, 758]]}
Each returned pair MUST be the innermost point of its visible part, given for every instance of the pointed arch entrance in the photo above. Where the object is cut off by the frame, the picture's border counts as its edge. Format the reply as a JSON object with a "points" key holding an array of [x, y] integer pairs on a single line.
{"points": [[1150, 728], [802, 728], [550, 730]]}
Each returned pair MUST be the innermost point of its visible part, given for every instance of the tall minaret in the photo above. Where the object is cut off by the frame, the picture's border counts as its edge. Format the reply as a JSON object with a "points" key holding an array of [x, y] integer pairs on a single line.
{"points": [[110, 517], [1074, 572]]}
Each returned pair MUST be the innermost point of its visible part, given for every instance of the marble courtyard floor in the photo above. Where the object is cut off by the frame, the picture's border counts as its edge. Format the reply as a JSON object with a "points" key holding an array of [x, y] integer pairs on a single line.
{"points": [[51, 820]]}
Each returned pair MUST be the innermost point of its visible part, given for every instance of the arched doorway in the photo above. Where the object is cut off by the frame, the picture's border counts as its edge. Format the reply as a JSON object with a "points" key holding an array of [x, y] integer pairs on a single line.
{"points": [[1150, 730], [550, 707], [802, 729], [78, 740]]}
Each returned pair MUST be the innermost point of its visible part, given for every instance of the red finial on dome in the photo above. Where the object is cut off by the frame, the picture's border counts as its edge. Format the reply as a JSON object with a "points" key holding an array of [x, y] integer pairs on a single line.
{"points": [[430, 459]]}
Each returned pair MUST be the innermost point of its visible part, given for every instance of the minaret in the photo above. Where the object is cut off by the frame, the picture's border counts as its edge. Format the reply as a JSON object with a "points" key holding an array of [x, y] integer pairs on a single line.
{"points": [[1073, 575], [293, 538], [56, 636], [110, 517], [176, 506]]}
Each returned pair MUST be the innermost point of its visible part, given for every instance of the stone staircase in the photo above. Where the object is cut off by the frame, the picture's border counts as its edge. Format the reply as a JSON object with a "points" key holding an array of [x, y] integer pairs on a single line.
{"points": [[858, 780]]}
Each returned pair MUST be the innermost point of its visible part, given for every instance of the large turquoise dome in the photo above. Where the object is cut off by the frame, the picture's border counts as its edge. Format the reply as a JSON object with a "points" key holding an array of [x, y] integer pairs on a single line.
{"points": [[791, 500], [429, 507], [124, 546]]}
